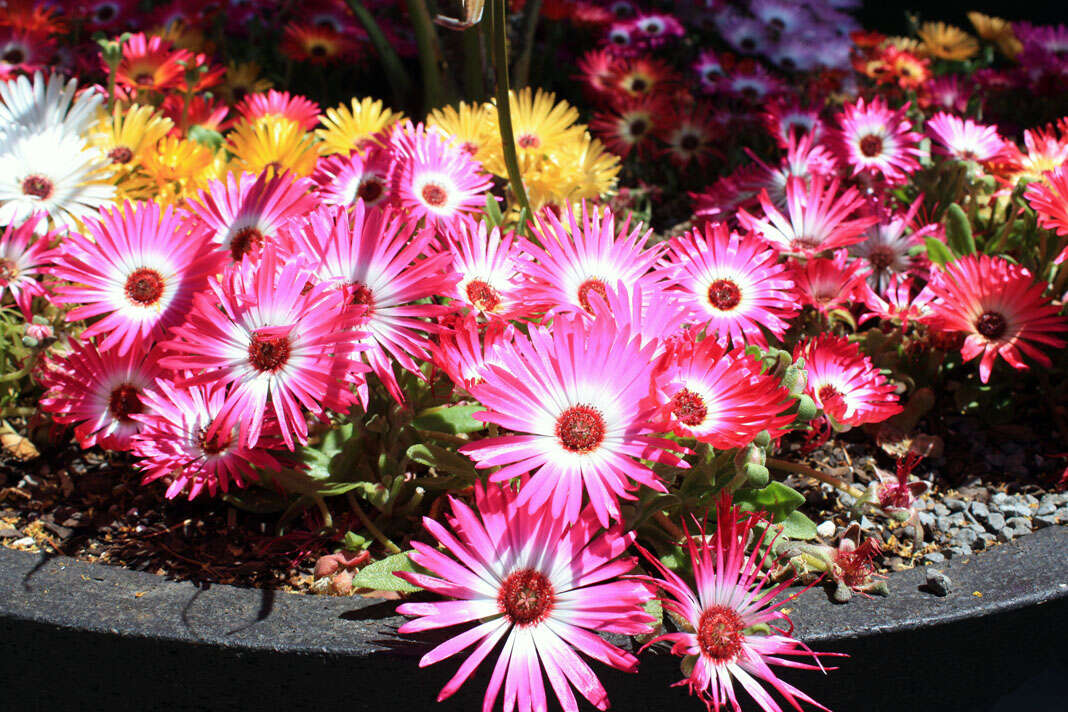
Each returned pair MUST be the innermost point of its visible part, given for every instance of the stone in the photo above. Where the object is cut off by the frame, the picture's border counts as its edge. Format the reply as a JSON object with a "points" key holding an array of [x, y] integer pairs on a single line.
{"points": [[979, 510], [1000, 498], [943, 524], [1045, 508], [958, 519], [955, 505], [957, 552], [1006, 534], [826, 529], [1044, 520], [995, 522], [965, 537], [908, 532], [937, 582], [1019, 523], [866, 524], [926, 519], [24, 541], [1030, 500], [935, 557], [941, 510], [1015, 509]]}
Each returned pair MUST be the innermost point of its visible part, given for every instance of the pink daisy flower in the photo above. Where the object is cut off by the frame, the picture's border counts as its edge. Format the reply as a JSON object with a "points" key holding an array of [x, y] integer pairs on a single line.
{"points": [[490, 267], [1050, 200], [569, 263], [137, 269], [295, 108], [465, 351], [719, 397], [652, 312], [342, 180], [174, 442], [829, 284], [435, 180], [732, 285], [999, 307], [246, 212], [816, 219], [888, 242], [804, 159], [877, 141], [787, 120], [947, 92], [734, 594], [100, 391], [377, 256], [897, 302], [709, 70], [542, 584], [22, 259], [964, 139], [844, 383], [257, 330], [577, 399]]}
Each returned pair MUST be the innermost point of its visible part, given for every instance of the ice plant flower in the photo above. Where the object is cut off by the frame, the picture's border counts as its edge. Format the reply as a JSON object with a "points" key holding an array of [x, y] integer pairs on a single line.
{"points": [[576, 397], [22, 260], [1050, 200], [100, 392], [876, 141], [732, 596], [999, 306], [489, 266], [351, 128], [583, 256], [844, 383], [150, 63], [342, 180], [542, 583], [829, 284], [257, 330], [272, 142], [43, 104], [887, 243], [464, 350], [295, 108], [731, 285], [964, 139], [138, 269], [719, 397]]}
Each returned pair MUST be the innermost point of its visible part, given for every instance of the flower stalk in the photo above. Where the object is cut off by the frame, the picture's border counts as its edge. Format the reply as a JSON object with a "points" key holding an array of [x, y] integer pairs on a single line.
{"points": [[498, 17]]}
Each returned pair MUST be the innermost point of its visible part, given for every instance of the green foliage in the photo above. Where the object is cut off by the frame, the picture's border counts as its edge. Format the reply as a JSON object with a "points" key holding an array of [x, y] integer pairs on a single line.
{"points": [[379, 575], [776, 499], [452, 419]]}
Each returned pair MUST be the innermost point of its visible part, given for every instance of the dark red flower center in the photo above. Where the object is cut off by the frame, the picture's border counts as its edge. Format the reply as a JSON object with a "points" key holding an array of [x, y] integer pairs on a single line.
{"points": [[361, 294], [144, 286], [827, 391], [218, 442], [268, 354], [748, 44], [318, 50], [871, 145], [806, 242], [370, 189], [105, 12], [638, 85], [244, 241], [528, 141], [38, 186], [991, 324], [482, 295], [124, 402], [724, 294], [689, 407], [590, 285], [15, 55], [434, 195], [120, 154], [719, 633], [580, 429], [638, 127], [881, 257], [145, 78], [526, 597], [689, 142]]}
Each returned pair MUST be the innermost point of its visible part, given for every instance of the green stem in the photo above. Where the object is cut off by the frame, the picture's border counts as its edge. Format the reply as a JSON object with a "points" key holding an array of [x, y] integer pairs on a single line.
{"points": [[370, 526], [16, 375], [328, 519], [474, 88], [399, 81], [18, 412], [430, 57], [504, 105], [530, 19], [800, 469], [444, 437]]}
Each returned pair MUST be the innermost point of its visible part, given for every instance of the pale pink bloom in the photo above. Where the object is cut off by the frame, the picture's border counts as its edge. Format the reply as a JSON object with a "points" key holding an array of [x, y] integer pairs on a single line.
{"points": [[888, 242], [804, 158], [543, 584], [964, 139], [294, 107], [490, 267], [24, 257], [844, 382], [876, 141], [342, 180]]}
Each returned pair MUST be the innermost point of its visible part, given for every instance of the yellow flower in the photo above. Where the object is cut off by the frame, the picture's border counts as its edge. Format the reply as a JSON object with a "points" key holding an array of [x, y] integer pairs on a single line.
{"points": [[345, 129], [998, 31], [467, 125], [241, 79], [184, 36], [946, 41], [575, 170], [123, 137], [272, 142], [905, 44], [179, 168], [539, 125]]}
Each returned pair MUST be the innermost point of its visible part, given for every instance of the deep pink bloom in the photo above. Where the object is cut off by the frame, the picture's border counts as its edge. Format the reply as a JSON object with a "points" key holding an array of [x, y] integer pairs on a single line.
{"points": [[732, 285], [828, 284], [464, 351], [21, 260], [541, 583], [804, 159], [490, 267], [1050, 200], [257, 330], [296, 108], [897, 301], [785, 121], [342, 180], [964, 139], [137, 269], [887, 244], [877, 141], [174, 442], [100, 391], [733, 593], [999, 306], [576, 398], [845, 383]]}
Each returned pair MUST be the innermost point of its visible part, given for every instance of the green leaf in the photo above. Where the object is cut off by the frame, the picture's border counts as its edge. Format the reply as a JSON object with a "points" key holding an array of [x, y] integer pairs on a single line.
{"points": [[493, 211], [355, 542], [379, 575], [959, 231], [798, 526], [442, 460], [937, 251], [776, 499], [208, 137], [452, 419]]}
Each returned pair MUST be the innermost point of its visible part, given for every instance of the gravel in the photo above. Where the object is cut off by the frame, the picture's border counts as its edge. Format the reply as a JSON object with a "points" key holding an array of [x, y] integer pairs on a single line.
{"points": [[938, 583]]}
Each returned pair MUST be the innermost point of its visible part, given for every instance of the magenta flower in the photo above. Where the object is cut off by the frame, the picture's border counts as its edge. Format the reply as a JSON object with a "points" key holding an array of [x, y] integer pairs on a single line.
{"points": [[964, 139], [257, 330], [731, 284], [877, 141], [342, 180], [294, 107], [731, 596], [490, 267], [137, 269], [465, 351], [844, 383], [828, 284], [1050, 200], [22, 259], [540, 583], [887, 244], [577, 399]]}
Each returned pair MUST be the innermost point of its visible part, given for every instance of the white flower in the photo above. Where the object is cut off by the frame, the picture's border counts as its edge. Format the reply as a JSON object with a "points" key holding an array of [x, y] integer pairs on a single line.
{"points": [[45, 104]]}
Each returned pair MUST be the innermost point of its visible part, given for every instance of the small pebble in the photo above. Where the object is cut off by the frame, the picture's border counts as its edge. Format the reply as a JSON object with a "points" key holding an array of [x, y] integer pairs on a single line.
{"points": [[937, 582], [24, 541], [1019, 523], [955, 505], [1045, 508], [958, 519], [927, 519], [866, 524], [1021, 531], [957, 552], [995, 522], [941, 510], [1006, 534], [826, 529], [908, 532], [1031, 500], [980, 511], [1015, 509], [943, 524], [1000, 498], [935, 557], [1044, 520], [965, 537]]}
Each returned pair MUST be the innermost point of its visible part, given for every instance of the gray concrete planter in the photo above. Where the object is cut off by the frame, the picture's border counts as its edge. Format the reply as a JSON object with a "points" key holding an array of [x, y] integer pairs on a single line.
{"points": [[84, 636]]}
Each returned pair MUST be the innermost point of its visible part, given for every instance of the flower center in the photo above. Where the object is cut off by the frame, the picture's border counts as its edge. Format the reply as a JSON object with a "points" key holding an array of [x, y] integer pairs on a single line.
{"points": [[38, 186], [362, 295], [144, 286], [318, 51], [245, 241], [827, 391], [748, 44], [881, 258], [105, 12], [871, 145], [528, 141], [217, 443], [120, 154], [638, 85], [590, 285], [689, 407], [526, 597], [268, 354], [123, 402], [434, 195], [145, 78], [689, 142], [806, 242], [370, 190], [724, 294], [638, 127], [719, 633], [482, 295], [9, 271], [991, 325], [580, 429], [15, 55]]}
